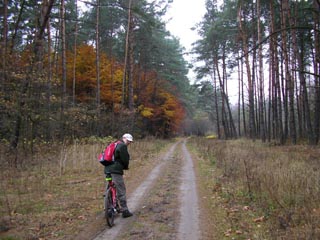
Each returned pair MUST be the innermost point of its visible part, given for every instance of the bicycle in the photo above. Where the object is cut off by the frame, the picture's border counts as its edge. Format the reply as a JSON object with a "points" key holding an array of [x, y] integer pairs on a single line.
{"points": [[111, 206]]}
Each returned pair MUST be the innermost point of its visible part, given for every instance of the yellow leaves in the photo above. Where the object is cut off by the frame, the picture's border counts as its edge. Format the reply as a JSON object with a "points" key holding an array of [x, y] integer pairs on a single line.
{"points": [[157, 101], [212, 136], [169, 113], [159, 105], [146, 112], [171, 106], [111, 75], [85, 59]]}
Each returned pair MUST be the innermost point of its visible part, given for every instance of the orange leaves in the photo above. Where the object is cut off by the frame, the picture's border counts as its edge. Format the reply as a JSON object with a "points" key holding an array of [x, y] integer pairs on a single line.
{"points": [[85, 60], [172, 109], [111, 83], [160, 107], [111, 74], [158, 104]]}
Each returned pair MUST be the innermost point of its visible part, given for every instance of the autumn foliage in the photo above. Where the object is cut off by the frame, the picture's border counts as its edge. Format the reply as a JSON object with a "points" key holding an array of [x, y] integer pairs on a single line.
{"points": [[157, 106], [111, 74], [160, 108]]}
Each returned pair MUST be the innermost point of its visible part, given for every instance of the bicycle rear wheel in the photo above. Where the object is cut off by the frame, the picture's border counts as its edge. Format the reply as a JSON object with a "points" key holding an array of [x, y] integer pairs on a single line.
{"points": [[108, 208]]}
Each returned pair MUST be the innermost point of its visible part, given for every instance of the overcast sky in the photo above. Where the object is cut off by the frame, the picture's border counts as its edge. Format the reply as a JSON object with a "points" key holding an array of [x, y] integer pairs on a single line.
{"points": [[185, 14], [182, 16]]}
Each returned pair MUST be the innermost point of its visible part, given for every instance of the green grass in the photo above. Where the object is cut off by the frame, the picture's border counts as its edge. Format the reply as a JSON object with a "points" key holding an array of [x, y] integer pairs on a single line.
{"points": [[10, 238]]}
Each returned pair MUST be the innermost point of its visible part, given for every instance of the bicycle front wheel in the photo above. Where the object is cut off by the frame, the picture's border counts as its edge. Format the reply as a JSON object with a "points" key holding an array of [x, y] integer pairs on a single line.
{"points": [[108, 208]]}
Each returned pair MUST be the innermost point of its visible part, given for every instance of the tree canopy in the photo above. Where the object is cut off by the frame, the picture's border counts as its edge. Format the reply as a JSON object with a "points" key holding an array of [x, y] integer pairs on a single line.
{"points": [[74, 68]]}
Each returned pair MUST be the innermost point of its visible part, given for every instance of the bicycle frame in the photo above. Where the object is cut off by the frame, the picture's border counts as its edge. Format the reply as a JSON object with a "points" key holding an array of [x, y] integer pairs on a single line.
{"points": [[110, 200], [113, 190]]}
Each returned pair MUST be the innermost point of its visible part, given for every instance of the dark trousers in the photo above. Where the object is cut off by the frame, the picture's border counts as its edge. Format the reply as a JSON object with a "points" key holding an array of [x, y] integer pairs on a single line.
{"points": [[121, 190]]}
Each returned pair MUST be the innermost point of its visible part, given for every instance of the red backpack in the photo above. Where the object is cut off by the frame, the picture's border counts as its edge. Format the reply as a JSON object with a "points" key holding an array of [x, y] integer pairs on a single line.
{"points": [[106, 157]]}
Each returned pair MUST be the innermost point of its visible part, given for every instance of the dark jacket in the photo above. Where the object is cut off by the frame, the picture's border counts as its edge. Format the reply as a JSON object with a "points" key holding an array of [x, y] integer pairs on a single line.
{"points": [[121, 161]]}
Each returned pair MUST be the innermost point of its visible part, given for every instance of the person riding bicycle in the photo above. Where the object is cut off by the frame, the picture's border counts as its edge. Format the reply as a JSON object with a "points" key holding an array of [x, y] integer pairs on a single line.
{"points": [[121, 163]]}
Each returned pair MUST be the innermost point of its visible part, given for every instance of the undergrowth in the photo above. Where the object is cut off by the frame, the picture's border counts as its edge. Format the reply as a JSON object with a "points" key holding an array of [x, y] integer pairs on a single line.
{"points": [[268, 192], [58, 191]]}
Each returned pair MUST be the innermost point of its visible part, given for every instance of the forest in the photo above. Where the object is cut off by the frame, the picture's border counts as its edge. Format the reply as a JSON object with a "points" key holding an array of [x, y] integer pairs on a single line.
{"points": [[73, 69], [270, 51], [76, 74]]}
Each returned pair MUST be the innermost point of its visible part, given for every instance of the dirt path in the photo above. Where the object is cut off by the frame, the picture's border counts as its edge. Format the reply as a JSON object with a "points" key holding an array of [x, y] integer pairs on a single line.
{"points": [[165, 205], [189, 219]]}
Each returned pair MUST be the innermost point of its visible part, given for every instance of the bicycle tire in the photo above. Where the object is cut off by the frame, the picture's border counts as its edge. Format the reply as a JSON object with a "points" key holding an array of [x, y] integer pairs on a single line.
{"points": [[108, 208]]}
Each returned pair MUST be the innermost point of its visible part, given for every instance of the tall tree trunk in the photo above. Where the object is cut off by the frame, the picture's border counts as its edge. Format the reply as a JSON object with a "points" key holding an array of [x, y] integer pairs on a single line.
{"points": [[216, 102], [284, 93], [75, 56], [243, 105], [63, 56], [3, 47], [316, 27], [227, 119], [223, 118], [271, 102], [242, 101], [38, 41], [16, 27], [277, 113], [274, 72], [299, 57], [244, 39], [131, 68], [239, 96], [98, 56], [305, 97], [224, 93], [112, 77], [49, 81], [261, 76], [272, 109], [288, 76], [254, 79], [126, 58]]}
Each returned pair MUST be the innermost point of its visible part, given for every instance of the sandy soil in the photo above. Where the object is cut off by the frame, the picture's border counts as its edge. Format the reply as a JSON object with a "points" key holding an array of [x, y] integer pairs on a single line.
{"points": [[164, 204], [189, 209]]}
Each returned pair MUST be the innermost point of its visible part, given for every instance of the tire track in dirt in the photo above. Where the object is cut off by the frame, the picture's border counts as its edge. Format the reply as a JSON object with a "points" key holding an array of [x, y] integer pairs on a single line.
{"points": [[135, 199], [158, 215], [189, 209]]}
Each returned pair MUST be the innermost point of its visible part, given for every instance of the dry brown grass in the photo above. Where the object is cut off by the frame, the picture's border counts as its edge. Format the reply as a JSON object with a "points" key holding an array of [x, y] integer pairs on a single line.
{"points": [[268, 192], [59, 192], [248, 190]]}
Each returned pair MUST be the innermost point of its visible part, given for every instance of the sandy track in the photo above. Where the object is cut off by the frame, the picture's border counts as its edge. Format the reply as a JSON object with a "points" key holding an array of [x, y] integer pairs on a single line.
{"points": [[135, 198], [189, 218], [188, 223]]}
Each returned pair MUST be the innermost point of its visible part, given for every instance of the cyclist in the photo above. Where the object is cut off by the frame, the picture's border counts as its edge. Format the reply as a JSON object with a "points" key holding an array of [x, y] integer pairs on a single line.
{"points": [[121, 163]]}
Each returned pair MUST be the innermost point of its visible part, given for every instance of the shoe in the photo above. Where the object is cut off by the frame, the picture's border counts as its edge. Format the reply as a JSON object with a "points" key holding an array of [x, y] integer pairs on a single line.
{"points": [[126, 214]]}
